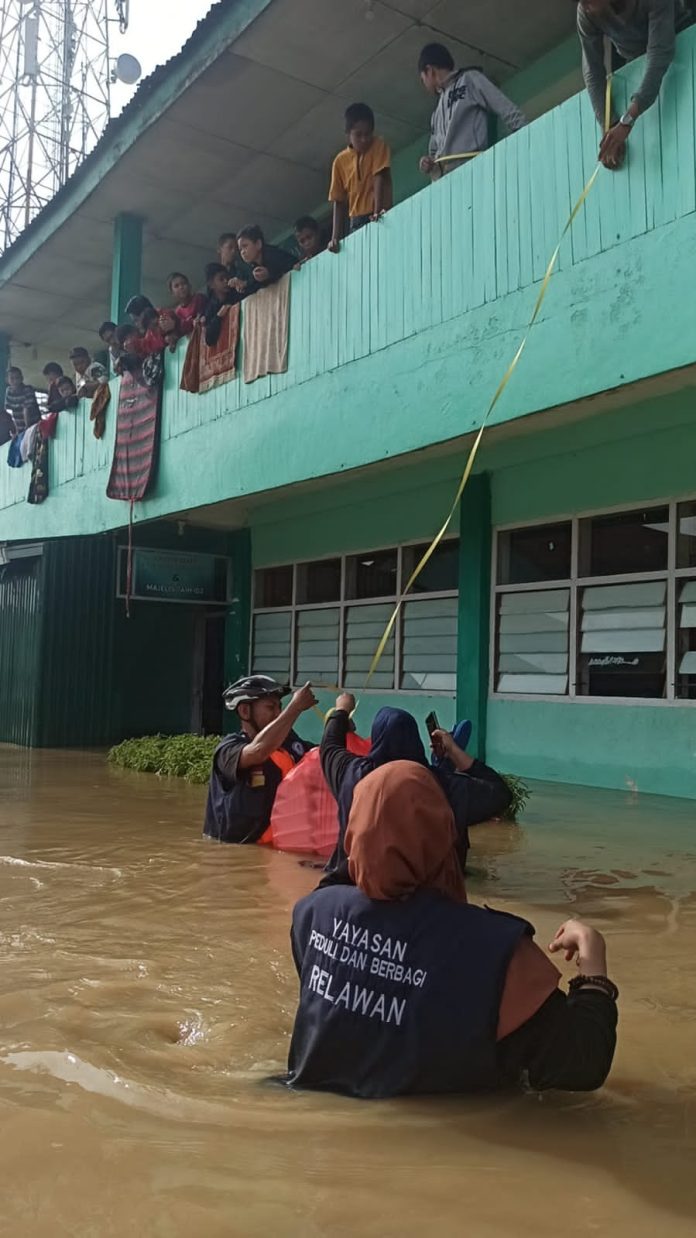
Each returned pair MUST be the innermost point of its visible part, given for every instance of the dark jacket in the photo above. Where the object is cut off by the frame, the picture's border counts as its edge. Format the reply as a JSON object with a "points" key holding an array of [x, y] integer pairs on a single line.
{"points": [[277, 262], [240, 801], [404, 997]]}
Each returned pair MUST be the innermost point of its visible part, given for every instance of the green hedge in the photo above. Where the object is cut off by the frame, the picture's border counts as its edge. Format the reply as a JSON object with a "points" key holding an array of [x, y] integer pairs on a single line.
{"points": [[191, 756], [179, 756]]}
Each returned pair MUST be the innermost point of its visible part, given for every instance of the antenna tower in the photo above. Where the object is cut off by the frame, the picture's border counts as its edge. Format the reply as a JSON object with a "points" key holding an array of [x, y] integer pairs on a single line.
{"points": [[54, 98]]}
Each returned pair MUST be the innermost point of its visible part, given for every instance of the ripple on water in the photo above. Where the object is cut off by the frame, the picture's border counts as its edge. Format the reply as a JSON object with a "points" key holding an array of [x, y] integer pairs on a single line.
{"points": [[147, 991]]}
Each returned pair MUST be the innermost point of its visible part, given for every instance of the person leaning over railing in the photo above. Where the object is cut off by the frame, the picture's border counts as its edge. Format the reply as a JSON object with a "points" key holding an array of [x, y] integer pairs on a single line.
{"points": [[466, 99], [361, 181], [266, 263], [634, 28]]}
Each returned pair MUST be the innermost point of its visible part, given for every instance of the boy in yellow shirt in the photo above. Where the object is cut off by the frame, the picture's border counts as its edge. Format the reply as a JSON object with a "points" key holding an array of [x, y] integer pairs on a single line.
{"points": [[361, 184]]}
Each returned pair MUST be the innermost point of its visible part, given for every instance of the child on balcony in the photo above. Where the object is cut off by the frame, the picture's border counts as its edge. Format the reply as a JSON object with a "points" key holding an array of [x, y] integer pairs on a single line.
{"points": [[267, 263], [466, 100], [188, 305], [228, 256], [310, 238], [67, 394], [220, 297], [107, 334], [361, 184], [52, 372], [149, 337]]}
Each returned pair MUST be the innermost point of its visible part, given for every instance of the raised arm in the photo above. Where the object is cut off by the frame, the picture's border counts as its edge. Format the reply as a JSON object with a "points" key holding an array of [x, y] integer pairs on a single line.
{"points": [[335, 758], [273, 735]]}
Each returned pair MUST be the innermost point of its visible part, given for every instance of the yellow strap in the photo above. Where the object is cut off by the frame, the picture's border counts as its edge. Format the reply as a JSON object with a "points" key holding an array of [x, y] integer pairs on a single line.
{"points": [[425, 558], [466, 154]]}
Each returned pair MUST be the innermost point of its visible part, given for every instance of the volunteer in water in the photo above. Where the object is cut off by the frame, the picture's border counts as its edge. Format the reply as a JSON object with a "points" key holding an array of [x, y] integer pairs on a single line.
{"points": [[405, 986], [249, 766]]}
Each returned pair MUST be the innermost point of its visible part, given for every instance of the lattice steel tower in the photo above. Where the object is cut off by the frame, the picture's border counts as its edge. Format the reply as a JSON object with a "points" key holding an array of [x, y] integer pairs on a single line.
{"points": [[55, 100]]}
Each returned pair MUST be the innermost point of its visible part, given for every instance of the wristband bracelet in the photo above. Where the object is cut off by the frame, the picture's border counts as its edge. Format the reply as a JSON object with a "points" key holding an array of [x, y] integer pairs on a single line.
{"points": [[606, 985]]}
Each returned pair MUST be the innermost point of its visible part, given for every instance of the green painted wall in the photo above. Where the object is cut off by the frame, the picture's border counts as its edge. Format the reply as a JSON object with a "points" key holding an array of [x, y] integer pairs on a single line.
{"points": [[388, 356], [637, 454], [643, 748]]}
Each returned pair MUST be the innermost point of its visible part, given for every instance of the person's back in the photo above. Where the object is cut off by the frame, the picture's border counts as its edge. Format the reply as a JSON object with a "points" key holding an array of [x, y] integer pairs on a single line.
{"points": [[399, 996], [405, 987]]}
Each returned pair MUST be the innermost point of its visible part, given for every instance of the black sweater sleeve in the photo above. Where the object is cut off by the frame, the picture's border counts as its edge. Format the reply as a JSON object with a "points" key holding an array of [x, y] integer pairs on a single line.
{"points": [[335, 759], [568, 1044]]}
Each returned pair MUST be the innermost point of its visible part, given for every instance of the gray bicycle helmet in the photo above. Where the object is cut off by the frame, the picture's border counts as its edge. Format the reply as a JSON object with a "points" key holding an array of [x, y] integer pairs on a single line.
{"points": [[252, 688]]}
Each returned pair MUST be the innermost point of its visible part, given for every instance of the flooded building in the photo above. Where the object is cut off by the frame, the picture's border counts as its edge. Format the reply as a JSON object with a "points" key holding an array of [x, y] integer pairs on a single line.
{"points": [[288, 513]]}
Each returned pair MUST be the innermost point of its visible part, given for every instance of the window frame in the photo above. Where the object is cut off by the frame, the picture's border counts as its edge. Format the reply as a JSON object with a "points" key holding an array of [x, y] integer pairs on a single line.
{"points": [[671, 574], [343, 603]]}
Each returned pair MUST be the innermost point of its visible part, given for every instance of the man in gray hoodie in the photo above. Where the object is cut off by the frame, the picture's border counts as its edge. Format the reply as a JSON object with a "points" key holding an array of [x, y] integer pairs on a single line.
{"points": [[466, 100], [634, 28]]}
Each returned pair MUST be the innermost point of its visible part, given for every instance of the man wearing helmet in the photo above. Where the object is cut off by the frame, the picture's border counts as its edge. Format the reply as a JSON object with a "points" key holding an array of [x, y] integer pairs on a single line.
{"points": [[249, 766]]}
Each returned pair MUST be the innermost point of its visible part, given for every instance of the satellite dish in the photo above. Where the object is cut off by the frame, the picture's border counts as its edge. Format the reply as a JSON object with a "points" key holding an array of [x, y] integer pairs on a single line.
{"points": [[127, 69]]}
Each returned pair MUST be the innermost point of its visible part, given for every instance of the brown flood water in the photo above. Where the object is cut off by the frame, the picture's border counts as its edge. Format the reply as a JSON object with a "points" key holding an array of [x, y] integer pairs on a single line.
{"points": [[147, 993]]}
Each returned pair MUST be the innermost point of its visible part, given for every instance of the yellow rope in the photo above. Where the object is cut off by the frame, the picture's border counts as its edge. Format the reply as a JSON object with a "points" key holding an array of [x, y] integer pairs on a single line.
{"points": [[425, 558], [466, 154]]}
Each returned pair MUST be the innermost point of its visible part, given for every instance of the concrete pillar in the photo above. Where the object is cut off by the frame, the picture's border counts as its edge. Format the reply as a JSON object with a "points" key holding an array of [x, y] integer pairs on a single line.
{"points": [[4, 357], [474, 603], [238, 622], [126, 271]]}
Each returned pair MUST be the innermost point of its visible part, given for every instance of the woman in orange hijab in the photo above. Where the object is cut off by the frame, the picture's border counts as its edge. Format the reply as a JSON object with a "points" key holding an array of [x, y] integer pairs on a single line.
{"points": [[405, 987]]}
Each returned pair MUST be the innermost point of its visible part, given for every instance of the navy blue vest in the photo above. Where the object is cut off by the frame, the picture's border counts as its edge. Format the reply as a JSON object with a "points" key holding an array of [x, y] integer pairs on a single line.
{"points": [[238, 812], [398, 997]]}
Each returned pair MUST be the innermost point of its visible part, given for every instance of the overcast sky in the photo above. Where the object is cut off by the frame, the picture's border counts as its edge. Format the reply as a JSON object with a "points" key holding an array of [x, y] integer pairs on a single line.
{"points": [[158, 29]]}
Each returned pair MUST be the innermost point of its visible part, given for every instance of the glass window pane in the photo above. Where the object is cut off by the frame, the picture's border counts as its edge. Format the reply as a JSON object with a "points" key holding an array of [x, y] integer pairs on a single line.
{"points": [[626, 542], [686, 640], [440, 573], [686, 535], [273, 586], [532, 644], [371, 575], [271, 645], [364, 629], [320, 581], [317, 645], [622, 640], [540, 552], [429, 646]]}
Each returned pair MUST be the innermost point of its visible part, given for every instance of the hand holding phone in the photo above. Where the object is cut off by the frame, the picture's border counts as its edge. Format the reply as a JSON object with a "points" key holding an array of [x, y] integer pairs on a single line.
{"points": [[433, 726]]}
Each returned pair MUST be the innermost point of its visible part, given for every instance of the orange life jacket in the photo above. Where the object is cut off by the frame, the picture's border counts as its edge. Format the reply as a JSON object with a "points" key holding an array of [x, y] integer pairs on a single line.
{"points": [[282, 759]]}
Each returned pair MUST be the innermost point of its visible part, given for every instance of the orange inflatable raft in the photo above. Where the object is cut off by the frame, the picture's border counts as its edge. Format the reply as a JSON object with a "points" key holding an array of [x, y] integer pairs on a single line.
{"points": [[305, 814]]}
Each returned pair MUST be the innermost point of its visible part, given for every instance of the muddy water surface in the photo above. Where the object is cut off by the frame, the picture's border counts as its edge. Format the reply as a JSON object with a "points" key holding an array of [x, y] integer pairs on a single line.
{"points": [[147, 992]]}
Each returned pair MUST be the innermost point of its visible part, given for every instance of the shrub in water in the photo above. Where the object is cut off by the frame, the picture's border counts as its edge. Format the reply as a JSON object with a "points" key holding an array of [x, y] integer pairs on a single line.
{"points": [[520, 796], [191, 756], [179, 756]]}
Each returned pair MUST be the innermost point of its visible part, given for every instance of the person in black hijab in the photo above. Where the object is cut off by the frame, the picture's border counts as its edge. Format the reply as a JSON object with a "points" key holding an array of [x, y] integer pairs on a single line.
{"points": [[475, 791]]}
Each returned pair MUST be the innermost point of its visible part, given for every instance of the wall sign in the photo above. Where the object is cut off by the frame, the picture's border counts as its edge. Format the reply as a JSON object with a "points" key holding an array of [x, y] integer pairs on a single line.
{"points": [[174, 576]]}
